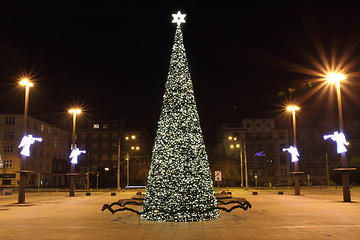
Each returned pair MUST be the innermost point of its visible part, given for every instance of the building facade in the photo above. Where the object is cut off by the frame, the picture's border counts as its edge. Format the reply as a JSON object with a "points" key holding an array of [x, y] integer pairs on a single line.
{"points": [[260, 144], [48, 159], [102, 140]]}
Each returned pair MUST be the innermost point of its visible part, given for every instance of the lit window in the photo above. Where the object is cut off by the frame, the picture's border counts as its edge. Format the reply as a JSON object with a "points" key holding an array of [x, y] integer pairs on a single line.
{"points": [[42, 127], [96, 125], [106, 125]]}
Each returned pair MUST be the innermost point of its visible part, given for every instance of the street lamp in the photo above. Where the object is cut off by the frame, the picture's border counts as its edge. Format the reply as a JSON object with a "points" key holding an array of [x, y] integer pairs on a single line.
{"points": [[21, 197], [232, 146], [74, 112], [296, 172], [337, 78], [136, 148]]}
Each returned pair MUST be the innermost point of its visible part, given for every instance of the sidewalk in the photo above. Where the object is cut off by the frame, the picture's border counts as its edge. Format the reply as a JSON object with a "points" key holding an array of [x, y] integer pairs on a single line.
{"points": [[316, 214]]}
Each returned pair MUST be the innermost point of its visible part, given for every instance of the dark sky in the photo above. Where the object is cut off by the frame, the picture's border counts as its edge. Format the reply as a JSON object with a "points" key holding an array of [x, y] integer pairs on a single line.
{"points": [[112, 57]]}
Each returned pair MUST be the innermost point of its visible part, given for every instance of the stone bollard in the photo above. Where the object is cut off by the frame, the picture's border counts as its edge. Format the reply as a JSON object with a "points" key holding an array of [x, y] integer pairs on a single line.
{"points": [[88, 194], [254, 193], [281, 193], [113, 194]]}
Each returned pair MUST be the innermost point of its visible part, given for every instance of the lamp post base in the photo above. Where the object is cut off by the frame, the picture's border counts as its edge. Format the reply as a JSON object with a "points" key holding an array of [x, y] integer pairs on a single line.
{"points": [[21, 194], [72, 184], [346, 182], [297, 181]]}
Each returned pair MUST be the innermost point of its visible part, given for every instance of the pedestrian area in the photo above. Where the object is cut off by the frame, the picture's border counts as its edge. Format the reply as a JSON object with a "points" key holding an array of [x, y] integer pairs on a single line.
{"points": [[316, 214]]}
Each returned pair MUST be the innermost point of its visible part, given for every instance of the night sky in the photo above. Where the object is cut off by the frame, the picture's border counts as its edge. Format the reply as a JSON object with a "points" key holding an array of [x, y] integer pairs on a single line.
{"points": [[112, 58]]}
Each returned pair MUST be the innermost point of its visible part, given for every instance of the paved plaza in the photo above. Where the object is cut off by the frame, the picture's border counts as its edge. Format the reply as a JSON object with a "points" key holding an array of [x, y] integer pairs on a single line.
{"points": [[318, 213]]}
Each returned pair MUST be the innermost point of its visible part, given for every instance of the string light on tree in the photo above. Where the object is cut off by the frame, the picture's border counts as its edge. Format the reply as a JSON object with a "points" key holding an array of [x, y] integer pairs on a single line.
{"points": [[179, 185]]}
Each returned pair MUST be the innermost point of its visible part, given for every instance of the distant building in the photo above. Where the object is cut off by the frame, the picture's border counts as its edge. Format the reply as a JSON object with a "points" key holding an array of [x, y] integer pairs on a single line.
{"points": [[101, 141], [265, 159], [48, 160]]}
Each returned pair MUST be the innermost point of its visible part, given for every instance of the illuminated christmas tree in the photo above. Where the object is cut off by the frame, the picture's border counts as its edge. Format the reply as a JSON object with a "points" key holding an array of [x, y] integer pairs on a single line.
{"points": [[179, 185]]}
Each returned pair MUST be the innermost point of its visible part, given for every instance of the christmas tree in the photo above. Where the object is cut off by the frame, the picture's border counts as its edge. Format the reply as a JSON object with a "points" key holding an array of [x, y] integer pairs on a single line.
{"points": [[179, 185]]}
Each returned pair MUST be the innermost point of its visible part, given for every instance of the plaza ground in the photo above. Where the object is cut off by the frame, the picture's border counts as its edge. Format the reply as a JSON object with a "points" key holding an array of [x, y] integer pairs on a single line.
{"points": [[318, 213]]}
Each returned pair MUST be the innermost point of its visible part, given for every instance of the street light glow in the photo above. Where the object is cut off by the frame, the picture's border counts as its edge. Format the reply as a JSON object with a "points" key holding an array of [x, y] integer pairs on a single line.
{"points": [[292, 108], [335, 77], [75, 110], [26, 82]]}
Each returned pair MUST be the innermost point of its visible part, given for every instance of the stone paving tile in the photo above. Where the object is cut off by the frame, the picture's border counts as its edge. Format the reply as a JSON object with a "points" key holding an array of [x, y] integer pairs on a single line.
{"points": [[316, 214]]}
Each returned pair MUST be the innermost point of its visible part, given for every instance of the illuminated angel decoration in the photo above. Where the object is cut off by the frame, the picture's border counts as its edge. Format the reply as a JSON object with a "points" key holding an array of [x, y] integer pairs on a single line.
{"points": [[25, 144], [294, 153], [340, 140], [74, 155]]}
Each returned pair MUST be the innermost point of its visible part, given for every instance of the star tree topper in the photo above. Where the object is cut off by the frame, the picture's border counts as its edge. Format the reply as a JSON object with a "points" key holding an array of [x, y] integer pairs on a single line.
{"points": [[179, 18]]}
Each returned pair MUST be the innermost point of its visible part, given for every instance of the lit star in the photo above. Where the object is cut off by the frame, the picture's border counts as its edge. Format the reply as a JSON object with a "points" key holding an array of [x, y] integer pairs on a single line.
{"points": [[179, 18]]}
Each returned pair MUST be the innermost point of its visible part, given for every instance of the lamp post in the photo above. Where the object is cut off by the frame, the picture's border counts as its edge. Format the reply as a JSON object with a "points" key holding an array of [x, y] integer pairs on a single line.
{"points": [[118, 167], [296, 172], [137, 148], [232, 146], [72, 174], [21, 197], [337, 78]]}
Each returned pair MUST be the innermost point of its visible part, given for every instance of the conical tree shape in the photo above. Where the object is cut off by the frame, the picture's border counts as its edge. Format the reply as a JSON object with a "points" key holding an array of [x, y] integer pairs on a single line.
{"points": [[179, 185]]}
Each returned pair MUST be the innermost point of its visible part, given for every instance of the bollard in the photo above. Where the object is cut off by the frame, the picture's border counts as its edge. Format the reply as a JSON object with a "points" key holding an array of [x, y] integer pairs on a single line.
{"points": [[281, 193], [113, 194], [88, 194], [254, 193]]}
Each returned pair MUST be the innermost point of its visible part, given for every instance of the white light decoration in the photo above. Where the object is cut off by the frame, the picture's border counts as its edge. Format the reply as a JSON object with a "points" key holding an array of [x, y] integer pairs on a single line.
{"points": [[294, 153], [25, 144], [74, 155], [179, 185], [179, 18], [340, 140]]}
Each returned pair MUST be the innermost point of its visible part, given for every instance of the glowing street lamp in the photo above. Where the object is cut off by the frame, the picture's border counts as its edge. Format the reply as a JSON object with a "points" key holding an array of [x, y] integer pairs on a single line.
{"points": [[294, 155], [233, 147], [336, 78], [74, 112], [21, 196], [134, 148]]}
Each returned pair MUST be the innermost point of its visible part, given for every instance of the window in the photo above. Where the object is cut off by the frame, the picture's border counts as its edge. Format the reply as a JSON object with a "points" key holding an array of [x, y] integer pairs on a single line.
{"points": [[269, 135], [270, 173], [283, 160], [104, 146], [104, 136], [55, 144], [42, 127], [258, 125], [47, 166], [40, 165], [281, 147], [104, 157], [55, 156], [248, 125], [114, 135], [41, 153], [9, 135], [105, 125], [259, 147], [55, 132], [258, 135], [48, 154], [94, 146], [281, 135], [310, 135], [114, 157], [49, 130], [283, 172], [96, 126], [8, 149], [7, 164], [9, 121], [95, 136], [114, 146], [35, 125], [270, 147], [268, 124], [248, 135], [236, 134]]}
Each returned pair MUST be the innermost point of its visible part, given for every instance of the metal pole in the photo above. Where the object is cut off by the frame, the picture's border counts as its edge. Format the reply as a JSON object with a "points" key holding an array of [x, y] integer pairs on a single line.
{"points": [[296, 164], [327, 169], [345, 174], [21, 194], [118, 169], [72, 180], [97, 181], [241, 168], [246, 172], [127, 169]]}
